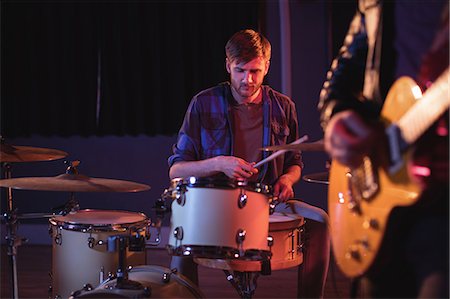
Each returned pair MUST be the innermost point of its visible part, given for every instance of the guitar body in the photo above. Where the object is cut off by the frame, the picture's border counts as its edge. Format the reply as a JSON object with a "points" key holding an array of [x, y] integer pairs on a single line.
{"points": [[360, 201]]}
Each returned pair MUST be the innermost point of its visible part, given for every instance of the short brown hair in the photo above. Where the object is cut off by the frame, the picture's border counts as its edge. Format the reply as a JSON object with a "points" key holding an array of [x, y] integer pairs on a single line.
{"points": [[246, 45]]}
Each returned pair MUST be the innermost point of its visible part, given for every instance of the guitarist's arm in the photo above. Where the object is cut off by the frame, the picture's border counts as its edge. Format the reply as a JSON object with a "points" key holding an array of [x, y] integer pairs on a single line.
{"points": [[346, 116]]}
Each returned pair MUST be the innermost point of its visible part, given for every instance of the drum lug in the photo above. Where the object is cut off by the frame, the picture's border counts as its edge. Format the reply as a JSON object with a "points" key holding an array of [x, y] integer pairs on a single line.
{"points": [[91, 242], [58, 237], [240, 238], [167, 275], [270, 241], [178, 233], [242, 200], [180, 195]]}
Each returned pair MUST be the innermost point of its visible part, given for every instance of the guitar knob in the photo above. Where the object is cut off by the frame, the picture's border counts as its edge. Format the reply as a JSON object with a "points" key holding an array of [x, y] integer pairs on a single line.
{"points": [[354, 207], [371, 223]]}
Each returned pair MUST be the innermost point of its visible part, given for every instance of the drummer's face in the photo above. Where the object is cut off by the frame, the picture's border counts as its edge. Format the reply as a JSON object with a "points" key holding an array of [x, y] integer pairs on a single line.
{"points": [[247, 77]]}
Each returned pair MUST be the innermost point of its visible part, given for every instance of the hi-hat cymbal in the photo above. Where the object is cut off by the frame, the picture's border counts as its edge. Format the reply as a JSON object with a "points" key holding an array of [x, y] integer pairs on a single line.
{"points": [[311, 146], [73, 183], [13, 153], [320, 177]]}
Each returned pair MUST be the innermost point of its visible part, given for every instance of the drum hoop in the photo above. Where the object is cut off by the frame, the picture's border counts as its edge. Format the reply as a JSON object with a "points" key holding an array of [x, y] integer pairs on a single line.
{"points": [[184, 280], [222, 183], [291, 224], [103, 227], [218, 252]]}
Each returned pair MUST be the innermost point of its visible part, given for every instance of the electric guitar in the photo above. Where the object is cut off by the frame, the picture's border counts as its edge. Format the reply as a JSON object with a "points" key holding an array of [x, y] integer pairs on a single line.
{"points": [[360, 200]]}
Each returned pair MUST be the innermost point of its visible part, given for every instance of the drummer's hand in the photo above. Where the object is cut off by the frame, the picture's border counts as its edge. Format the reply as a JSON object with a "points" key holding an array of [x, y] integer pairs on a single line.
{"points": [[234, 167], [283, 188]]}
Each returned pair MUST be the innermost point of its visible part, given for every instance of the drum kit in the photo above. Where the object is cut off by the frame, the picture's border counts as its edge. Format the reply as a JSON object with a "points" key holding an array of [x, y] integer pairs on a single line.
{"points": [[105, 250]]}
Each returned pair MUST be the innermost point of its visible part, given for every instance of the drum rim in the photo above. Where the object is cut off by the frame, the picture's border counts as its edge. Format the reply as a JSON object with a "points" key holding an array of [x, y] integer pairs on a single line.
{"points": [[78, 226], [221, 183], [218, 252], [293, 223]]}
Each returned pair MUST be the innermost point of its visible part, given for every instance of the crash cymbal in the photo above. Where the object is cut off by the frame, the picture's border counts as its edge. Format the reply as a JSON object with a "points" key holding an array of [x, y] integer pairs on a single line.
{"points": [[13, 153], [311, 146], [73, 183], [320, 177]]}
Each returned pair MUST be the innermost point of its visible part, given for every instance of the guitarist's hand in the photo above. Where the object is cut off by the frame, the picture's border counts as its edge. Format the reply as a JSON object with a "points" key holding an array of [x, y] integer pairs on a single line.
{"points": [[348, 138]]}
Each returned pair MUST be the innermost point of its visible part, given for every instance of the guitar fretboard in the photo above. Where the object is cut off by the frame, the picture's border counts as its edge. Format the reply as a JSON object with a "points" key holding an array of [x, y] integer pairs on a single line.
{"points": [[427, 110]]}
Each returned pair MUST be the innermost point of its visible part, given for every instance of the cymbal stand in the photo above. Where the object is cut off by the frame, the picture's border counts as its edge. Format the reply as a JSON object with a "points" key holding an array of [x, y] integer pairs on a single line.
{"points": [[12, 239], [243, 282]]}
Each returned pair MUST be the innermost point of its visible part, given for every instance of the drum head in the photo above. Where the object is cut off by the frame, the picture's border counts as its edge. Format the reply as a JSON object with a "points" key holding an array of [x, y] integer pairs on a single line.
{"points": [[284, 221], [98, 219], [220, 183]]}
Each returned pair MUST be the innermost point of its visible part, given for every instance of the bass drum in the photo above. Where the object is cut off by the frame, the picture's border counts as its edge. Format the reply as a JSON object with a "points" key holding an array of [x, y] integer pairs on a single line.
{"points": [[157, 282]]}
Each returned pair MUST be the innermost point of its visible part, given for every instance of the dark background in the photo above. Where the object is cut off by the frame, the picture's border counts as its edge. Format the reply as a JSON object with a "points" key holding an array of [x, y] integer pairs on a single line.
{"points": [[109, 82]]}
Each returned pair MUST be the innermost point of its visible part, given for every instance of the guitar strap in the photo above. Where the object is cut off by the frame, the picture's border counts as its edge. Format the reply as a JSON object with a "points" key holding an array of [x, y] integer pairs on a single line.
{"points": [[372, 10]]}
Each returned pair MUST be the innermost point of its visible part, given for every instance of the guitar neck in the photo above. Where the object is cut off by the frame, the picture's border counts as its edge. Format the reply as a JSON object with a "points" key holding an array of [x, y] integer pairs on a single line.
{"points": [[427, 110]]}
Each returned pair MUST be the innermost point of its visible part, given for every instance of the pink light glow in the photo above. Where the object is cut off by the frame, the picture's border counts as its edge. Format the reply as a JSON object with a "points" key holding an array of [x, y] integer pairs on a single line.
{"points": [[421, 171]]}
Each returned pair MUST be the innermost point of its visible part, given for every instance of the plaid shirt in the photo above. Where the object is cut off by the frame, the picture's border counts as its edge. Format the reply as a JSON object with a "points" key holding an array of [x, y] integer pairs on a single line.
{"points": [[206, 131]]}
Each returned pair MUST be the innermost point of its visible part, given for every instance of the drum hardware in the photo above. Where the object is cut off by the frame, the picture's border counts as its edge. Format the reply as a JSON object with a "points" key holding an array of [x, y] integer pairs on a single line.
{"points": [[167, 275], [178, 233], [160, 211], [240, 238], [242, 201], [136, 243], [119, 243], [273, 204], [71, 206], [285, 243], [11, 154], [243, 282]]}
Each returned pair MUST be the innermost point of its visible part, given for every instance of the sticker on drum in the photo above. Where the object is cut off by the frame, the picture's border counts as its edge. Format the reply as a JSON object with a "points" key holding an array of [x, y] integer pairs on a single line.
{"points": [[156, 282], [219, 219], [79, 251], [285, 230]]}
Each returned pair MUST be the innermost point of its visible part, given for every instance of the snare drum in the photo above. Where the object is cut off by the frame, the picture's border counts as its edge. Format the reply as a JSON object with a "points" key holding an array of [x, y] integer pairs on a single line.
{"points": [[79, 251], [219, 219], [156, 282], [285, 230]]}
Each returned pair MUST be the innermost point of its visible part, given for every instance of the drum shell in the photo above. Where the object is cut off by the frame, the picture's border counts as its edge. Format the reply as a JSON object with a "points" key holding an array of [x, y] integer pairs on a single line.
{"points": [[74, 263], [212, 217], [286, 231], [150, 276]]}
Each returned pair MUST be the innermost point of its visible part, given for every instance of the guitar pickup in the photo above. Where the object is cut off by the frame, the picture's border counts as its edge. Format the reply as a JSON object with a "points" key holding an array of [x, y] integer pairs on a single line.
{"points": [[363, 181]]}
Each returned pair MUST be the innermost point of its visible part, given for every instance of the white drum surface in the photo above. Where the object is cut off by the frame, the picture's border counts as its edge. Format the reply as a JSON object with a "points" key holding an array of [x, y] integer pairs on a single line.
{"points": [[74, 262]]}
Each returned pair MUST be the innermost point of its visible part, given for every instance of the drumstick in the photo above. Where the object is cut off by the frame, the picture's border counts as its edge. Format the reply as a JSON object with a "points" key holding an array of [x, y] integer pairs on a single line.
{"points": [[279, 152]]}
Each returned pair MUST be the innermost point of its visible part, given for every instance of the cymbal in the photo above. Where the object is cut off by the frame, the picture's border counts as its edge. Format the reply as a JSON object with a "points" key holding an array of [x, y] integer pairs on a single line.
{"points": [[73, 183], [320, 177], [12, 153], [310, 146]]}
